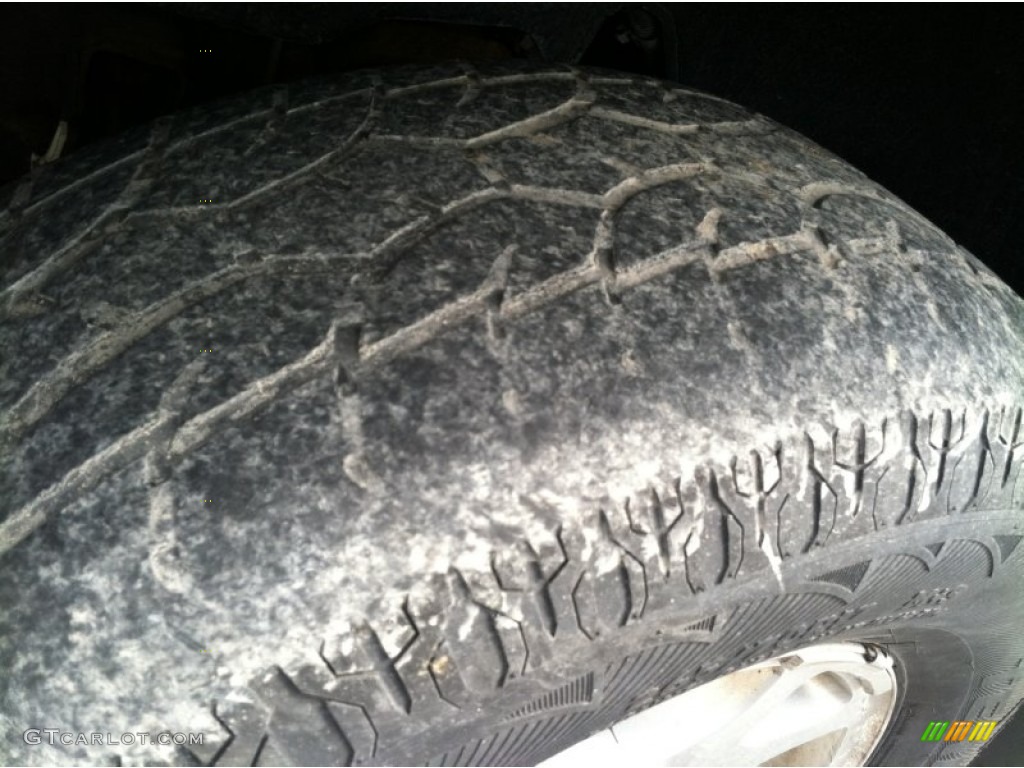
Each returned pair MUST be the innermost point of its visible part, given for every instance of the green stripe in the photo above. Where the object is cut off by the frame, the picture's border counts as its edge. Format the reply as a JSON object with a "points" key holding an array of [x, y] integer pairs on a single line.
{"points": [[935, 730]]}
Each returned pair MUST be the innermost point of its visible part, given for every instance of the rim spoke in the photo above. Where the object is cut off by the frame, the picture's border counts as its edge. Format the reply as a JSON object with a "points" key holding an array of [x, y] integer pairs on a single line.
{"points": [[801, 734], [785, 681], [824, 705]]}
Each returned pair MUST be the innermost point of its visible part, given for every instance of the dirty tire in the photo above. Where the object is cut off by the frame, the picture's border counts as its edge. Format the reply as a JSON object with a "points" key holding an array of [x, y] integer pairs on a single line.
{"points": [[450, 415]]}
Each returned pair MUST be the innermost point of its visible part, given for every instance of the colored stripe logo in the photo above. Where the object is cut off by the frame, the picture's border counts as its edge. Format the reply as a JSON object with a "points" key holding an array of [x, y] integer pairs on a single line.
{"points": [[958, 730]]}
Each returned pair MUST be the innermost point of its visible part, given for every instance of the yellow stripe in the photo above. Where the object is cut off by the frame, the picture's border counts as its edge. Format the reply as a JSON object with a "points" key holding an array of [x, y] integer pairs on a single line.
{"points": [[983, 730]]}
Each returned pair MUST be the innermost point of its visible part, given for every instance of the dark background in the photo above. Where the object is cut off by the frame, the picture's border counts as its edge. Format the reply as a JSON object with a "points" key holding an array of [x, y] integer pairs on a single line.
{"points": [[928, 100]]}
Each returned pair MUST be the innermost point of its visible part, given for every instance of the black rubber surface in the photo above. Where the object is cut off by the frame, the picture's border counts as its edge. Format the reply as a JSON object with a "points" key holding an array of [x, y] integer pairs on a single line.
{"points": [[448, 415]]}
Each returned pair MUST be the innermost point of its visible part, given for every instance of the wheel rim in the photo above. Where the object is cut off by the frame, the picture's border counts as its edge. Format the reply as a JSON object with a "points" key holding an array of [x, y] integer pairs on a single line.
{"points": [[826, 704]]}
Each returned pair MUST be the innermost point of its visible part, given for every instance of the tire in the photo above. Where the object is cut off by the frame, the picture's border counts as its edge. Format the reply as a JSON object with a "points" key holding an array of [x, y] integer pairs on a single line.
{"points": [[478, 409]]}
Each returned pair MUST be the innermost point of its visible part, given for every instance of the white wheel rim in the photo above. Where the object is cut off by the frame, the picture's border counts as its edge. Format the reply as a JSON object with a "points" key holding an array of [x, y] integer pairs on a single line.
{"points": [[823, 705]]}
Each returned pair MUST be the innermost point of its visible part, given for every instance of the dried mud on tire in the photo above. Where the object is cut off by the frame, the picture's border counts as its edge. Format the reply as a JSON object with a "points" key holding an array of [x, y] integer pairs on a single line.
{"points": [[451, 414]]}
